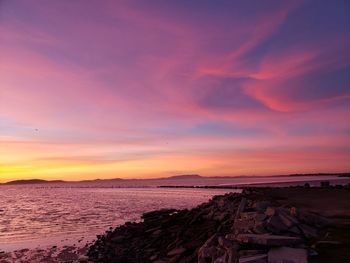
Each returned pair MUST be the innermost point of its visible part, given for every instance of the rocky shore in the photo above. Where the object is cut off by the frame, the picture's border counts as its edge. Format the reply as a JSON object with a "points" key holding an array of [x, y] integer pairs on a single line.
{"points": [[259, 225]]}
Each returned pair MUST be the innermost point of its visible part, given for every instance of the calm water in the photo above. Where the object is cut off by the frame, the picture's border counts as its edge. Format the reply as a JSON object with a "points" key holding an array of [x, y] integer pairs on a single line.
{"points": [[43, 215]]}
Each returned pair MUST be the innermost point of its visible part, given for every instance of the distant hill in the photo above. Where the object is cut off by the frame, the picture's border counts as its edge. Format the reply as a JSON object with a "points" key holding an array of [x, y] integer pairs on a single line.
{"points": [[182, 177], [33, 181], [99, 180]]}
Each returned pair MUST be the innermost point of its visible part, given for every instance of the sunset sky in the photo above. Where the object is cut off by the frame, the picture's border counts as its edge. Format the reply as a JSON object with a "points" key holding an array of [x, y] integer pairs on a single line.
{"points": [[141, 89]]}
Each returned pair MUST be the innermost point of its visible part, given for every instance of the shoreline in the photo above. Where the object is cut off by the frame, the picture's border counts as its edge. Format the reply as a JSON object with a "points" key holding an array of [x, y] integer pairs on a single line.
{"points": [[208, 217], [340, 182]]}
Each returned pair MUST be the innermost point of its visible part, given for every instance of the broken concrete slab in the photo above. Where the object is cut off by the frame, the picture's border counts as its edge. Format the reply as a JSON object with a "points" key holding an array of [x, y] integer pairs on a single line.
{"points": [[308, 231], [262, 258], [286, 218], [269, 240], [287, 254], [241, 207], [251, 252], [176, 251], [248, 215], [243, 225], [261, 205], [275, 225]]}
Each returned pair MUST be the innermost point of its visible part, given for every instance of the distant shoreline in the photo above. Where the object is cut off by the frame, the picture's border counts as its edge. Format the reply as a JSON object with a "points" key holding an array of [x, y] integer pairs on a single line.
{"points": [[176, 177]]}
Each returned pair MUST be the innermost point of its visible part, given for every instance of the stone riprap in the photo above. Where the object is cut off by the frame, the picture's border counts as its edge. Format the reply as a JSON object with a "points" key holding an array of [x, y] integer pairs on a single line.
{"points": [[232, 228]]}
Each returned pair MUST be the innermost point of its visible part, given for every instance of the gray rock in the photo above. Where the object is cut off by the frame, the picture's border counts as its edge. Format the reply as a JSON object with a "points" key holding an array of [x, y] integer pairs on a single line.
{"points": [[250, 252], [287, 254], [241, 207], [269, 240], [262, 258]]}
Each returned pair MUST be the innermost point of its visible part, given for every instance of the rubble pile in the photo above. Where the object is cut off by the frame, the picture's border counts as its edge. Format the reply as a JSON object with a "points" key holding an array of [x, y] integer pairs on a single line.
{"points": [[233, 228], [262, 232]]}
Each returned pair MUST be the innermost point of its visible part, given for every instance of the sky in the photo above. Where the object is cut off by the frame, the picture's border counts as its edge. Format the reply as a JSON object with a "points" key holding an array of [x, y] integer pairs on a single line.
{"points": [[146, 89]]}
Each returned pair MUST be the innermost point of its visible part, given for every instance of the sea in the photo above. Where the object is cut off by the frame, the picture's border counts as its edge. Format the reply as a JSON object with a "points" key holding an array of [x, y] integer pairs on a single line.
{"points": [[38, 215]]}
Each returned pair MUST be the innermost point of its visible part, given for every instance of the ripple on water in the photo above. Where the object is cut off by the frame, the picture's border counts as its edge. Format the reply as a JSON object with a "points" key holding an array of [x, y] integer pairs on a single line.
{"points": [[31, 213]]}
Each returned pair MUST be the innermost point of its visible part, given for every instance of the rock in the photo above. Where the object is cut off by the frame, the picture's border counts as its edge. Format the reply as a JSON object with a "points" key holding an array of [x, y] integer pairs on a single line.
{"points": [[248, 215], [230, 236], [308, 231], [232, 255], [176, 251], [259, 227], [295, 230], [222, 259], [243, 225], [313, 219], [157, 213], [250, 252], [153, 258], [226, 243], [275, 225], [208, 251], [262, 258], [260, 217], [261, 205], [327, 244], [241, 207], [286, 218], [270, 211], [287, 254], [294, 211], [269, 240], [212, 241], [170, 235]]}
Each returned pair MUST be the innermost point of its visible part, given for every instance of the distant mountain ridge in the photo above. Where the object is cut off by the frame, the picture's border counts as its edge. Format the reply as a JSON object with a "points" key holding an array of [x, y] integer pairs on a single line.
{"points": [[33, 181], [175, 177], [181, 177]]}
